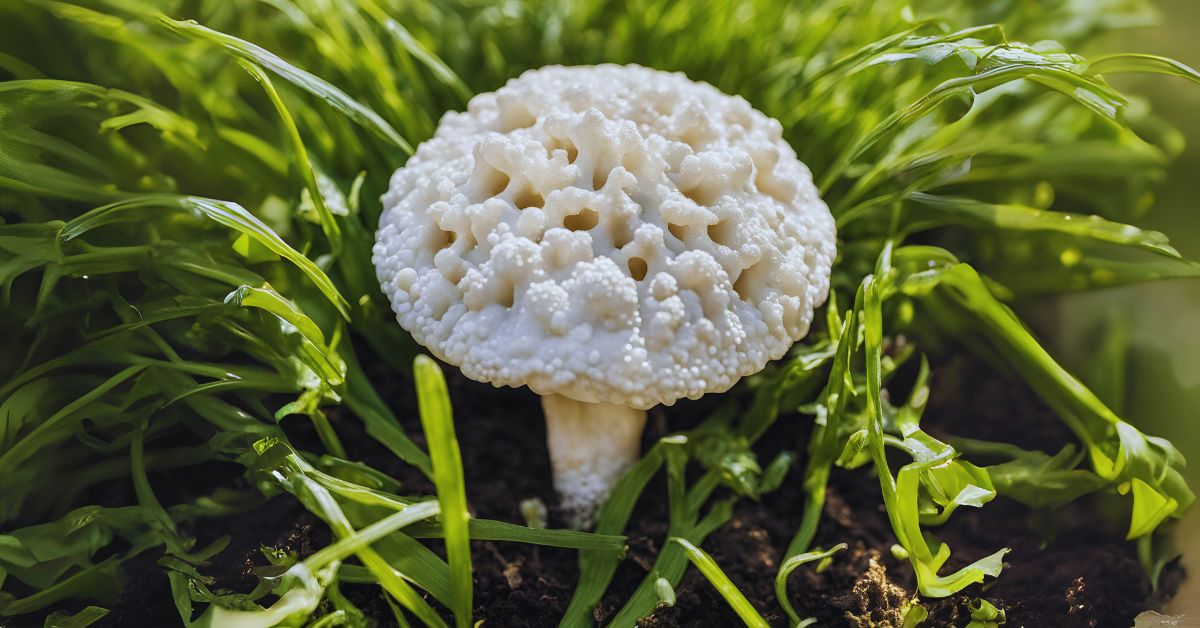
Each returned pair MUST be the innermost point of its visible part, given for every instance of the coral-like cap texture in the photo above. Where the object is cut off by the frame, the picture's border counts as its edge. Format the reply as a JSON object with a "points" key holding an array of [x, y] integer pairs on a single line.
{"points": [[612, 234]]}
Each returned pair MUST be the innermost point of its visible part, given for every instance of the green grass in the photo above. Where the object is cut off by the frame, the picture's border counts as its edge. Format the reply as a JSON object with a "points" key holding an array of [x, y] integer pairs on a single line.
{"points": [[187, 212], [790, 565], [707, 566], [434, 406]]}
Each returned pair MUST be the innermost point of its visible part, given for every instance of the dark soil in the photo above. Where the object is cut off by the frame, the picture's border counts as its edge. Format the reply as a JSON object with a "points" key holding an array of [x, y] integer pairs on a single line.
{"points": [[1065, 569]]}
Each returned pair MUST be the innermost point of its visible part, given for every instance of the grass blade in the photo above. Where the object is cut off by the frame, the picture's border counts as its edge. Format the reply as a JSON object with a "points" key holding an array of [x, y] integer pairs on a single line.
{"points": [[596, 570], [1021, 218], [669, 565], [1088, 92], [390, 579], [1118, 452], [227, 213], [314, 352], [1142, 63], [786, 569], [433, 402], [328, 223], [439, 68], [336, 98], [82, 619], [724, 586], [490, 530], [362, 399], [348, 545]]}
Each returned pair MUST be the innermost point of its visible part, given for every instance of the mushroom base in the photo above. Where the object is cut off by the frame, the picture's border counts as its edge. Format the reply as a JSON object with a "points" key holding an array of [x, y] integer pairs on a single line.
{"points": [[591, 445]]}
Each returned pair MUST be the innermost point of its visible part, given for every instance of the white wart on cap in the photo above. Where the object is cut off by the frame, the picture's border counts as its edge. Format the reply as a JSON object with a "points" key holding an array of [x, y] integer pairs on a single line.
{"points": [[611, 234]]}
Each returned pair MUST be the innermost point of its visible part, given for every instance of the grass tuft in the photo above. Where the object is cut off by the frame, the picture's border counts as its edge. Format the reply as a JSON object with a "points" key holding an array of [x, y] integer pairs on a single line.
{"points": [[185, 262]]}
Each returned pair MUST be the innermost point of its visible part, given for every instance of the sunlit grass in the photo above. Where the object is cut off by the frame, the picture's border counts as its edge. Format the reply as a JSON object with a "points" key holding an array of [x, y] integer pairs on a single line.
{"points": [[188, 211]]}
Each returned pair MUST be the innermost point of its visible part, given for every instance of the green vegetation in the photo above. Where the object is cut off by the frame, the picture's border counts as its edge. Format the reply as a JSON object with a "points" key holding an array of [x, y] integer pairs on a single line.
{"points": [[729, 591], [187, 213]]}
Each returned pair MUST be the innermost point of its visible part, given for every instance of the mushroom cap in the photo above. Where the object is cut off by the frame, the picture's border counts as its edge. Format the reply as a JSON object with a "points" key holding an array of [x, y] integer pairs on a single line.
{"points": [[613, 234]]}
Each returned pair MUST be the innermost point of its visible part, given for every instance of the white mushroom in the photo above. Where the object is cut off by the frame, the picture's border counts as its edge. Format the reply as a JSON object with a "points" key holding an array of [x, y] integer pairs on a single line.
{"points": [[613, 237]]}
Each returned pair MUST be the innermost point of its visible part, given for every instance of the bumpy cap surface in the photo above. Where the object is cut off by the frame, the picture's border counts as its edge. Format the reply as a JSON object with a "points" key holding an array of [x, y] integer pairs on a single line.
{"points": [[612, 234]]}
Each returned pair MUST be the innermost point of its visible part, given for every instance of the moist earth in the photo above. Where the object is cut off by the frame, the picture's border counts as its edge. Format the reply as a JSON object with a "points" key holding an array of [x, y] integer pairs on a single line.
{"points": [[1065, 569]]}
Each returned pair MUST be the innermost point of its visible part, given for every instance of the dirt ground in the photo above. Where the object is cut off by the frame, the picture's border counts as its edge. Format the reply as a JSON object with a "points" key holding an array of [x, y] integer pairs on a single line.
{"points": [[1081, 574]]}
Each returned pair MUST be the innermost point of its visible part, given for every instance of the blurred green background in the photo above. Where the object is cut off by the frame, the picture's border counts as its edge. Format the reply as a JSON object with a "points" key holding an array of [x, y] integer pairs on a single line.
{"points": [[1161, 389], [1161, 321], [1155, 381]]}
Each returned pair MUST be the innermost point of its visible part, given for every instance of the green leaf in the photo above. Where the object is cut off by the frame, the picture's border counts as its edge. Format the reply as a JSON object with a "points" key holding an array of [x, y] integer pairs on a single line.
{"points": [[901, 493], [1032, 477], [787, 567], [827, 442], [439, 68], [1081, 268], [226, 213], [254, 252], [1020, 218], [34, 161], [1004, 64], [387, 575], [313, 351], [86, 617], [362, 399], [1118, 452], [707, 566], [434, 404], [915, 615], [1141, 63], [328, 224], [349, 545], [596, 569], [336, 98], [984, 614], [669, 565], [489, 530]]}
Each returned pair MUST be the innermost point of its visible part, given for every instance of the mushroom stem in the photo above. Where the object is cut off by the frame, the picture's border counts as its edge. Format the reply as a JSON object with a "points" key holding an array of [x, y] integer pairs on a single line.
{"points": [[591, 445]]}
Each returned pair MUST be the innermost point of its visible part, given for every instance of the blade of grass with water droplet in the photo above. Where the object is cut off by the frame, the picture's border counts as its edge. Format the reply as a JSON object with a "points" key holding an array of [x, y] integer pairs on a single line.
{"points": [[1021, 218]]}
